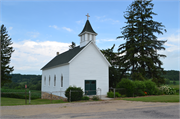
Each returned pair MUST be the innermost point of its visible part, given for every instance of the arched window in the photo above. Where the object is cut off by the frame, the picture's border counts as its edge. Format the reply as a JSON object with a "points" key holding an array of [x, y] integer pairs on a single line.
{"points": [[45, 80], [61, 80], [54, 80], [49, 80]]}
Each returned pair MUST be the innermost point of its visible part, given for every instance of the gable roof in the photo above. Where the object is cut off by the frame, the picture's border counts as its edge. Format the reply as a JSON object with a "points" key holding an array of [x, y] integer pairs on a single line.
{"points": [[88, 28], [63, 58], [91, 42]]}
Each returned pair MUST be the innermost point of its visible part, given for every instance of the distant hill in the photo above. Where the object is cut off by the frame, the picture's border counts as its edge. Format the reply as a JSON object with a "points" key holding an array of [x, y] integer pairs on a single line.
{"points": [[33, 82], [19, 81], [171, 75]]}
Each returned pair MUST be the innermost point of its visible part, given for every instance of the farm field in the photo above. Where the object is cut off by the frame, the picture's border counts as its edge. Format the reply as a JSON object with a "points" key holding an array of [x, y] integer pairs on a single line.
{"points": [[20, 93]]}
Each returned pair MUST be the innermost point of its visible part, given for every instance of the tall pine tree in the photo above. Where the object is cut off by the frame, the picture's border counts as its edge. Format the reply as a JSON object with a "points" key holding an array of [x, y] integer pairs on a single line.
{"points": [[6, 51], [139, 52], [114, 73]]}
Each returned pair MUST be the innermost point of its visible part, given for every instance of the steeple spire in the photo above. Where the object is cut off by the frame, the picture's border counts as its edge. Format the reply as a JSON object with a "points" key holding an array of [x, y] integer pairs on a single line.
{"points": [[87, 34]]}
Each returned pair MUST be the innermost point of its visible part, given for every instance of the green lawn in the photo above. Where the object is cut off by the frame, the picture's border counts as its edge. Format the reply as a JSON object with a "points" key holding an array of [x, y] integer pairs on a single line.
{"points": [[174, 86], [162, 98], [15, 101]]}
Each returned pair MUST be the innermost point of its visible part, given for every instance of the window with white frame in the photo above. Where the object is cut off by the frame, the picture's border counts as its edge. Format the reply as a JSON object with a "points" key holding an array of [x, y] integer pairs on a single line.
{"points": [[45, 80], [54, 80], [61, 80], [49, 80]]}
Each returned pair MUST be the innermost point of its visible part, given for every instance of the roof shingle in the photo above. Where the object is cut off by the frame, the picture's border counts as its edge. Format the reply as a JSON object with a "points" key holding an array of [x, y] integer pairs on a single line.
{"points": [[63, 58], [88, 28]]}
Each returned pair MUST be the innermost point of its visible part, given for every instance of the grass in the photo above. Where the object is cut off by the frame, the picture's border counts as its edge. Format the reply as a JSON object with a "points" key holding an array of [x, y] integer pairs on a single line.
{"points": [[15, 101], [20, 93], [174, 86], [162, 98]]}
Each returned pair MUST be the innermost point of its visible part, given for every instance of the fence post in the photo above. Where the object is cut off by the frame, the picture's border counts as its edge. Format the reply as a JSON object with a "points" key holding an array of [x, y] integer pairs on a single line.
{"points": [[25, 97], [29, 97], [51, 97], [114, 92], [70, 96], [100, 93]]}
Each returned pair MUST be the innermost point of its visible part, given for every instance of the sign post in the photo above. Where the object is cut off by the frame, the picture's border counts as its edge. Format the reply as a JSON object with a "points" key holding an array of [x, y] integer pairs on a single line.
{"points": [[25, 94]]}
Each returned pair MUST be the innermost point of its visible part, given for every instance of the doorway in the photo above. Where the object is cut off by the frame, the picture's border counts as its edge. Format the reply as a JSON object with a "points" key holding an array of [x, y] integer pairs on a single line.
{"points": [[90, 87]]}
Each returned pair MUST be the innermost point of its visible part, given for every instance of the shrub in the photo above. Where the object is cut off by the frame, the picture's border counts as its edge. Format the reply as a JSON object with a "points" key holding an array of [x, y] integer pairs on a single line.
{"points": [[117, 94], [158, 91], [177, 91], [95, 98], [110, 94], [139, 88], [123, 96], [167, 90], [85, 98], [128, 85], [76, 93], [150, 87]]}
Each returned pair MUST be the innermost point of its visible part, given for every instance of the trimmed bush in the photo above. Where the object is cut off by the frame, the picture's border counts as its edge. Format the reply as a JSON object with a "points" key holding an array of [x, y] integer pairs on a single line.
{"points": [[139, 88], [128, 85], [76, 93], [85, 98], [150, 87], [158, 91], [110, 94], [117, 94], [95, 98]]}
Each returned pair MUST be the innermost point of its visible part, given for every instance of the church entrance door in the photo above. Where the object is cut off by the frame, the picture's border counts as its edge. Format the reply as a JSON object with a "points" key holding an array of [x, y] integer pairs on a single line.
{"points": [[90, 87]]}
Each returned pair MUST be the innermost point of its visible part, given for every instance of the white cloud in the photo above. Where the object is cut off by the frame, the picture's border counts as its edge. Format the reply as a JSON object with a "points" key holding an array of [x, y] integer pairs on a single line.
{"points": [[33, 34], [67, 29], [55, 27], [80, 21], [104, 19], [108, 40], [30, 56], [105, 40], [10, 28], [171, 51]]}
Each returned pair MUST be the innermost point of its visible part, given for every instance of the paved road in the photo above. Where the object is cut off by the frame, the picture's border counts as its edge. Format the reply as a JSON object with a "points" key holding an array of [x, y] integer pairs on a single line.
{"points": [[111, 109]]}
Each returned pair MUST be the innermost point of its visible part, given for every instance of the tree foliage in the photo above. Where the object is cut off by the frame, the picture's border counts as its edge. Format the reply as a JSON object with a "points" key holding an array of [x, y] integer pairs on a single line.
{"points": [[6, 51], [73, 45], [19, 81], [114, 74], [139, 53]]}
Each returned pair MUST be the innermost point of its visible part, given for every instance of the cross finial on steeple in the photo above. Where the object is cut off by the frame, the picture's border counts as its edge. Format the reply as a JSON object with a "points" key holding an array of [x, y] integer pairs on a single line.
{"points": [[87, 16]]}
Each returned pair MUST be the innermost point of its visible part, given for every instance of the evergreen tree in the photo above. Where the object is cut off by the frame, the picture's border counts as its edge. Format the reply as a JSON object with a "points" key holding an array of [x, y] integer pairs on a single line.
{"points": [[114, 74], [6, 51], [73, 45], [139, 52]]}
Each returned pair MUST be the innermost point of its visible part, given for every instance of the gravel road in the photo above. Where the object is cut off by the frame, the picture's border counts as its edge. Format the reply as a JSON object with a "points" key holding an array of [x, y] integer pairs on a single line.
{"points": [[110, 109]]}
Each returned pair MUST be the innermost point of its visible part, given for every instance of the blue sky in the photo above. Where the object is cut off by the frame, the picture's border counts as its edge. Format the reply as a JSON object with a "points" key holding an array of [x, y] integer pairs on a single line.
{"points": [[40, 28]]}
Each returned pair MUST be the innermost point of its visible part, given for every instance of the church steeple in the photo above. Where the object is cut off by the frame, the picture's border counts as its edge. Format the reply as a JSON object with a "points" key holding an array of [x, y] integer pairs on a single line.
{"points": [[87, 34]]}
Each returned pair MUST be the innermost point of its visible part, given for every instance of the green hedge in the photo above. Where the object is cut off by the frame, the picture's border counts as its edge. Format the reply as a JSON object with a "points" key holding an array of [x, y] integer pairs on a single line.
{"points": [[150, 87], [128, 85], [139, 88], [21, 95], [76, 93]]}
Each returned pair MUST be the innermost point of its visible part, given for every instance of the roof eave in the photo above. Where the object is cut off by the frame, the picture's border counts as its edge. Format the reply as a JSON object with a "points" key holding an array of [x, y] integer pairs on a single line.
{"points": [[87, 32], [54, 66]]}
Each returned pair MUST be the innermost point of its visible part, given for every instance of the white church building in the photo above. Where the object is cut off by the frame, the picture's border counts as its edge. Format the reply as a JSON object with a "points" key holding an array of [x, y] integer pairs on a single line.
{"points": [[83, 66]]}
